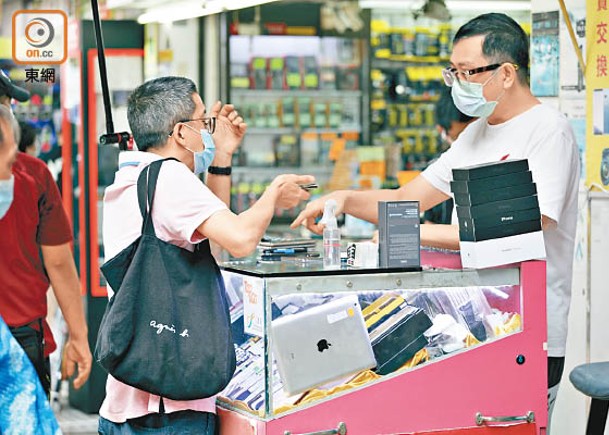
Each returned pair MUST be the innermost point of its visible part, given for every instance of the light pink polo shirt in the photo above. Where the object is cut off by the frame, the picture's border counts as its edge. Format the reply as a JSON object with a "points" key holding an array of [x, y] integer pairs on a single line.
{"points": [[182, 202]]}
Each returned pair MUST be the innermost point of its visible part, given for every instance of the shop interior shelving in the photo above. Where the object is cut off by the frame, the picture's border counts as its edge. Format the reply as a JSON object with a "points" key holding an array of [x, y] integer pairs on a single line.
{"points": [[301, 89]]}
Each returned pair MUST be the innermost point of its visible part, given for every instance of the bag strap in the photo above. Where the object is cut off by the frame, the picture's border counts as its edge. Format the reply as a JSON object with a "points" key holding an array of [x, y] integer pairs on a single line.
{"points": [[146, 187], [204, 247]]}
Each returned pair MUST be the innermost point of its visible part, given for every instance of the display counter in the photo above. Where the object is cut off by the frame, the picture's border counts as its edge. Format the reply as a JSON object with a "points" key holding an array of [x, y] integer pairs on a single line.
{"points": [[384, 351]]}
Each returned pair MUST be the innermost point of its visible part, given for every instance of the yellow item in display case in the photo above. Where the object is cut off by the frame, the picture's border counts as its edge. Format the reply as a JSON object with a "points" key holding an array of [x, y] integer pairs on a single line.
{"points": [[386, 307]]}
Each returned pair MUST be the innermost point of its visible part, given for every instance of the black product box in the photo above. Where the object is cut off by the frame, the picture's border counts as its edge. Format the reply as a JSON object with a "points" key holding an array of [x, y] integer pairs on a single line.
{"points": [[480, 185], [466, 199], [497, 207], [490, 169], [497, 219], [399, 234], [476, 234], [399, 338]]}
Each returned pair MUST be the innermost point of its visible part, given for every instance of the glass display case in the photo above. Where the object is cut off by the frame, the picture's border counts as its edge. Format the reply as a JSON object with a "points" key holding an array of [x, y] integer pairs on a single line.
{"points": [[316, 348]]}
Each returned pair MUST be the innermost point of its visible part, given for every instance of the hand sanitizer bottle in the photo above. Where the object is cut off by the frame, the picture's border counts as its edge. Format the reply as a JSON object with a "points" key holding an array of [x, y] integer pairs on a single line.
{"points": [[331, 236]]}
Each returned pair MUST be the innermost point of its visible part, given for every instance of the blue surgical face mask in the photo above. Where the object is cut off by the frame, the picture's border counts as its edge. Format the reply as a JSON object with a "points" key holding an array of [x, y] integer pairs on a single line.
{"points": [[469, 99], [204, 158], [7, 188]]}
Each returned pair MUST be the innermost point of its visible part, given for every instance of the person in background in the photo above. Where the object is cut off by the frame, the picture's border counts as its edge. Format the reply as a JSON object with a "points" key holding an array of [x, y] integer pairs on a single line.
{"points": [[25, 409], [168, 119], [8, 91], [450, 122], [35, 251], [488, 77], [27, 142]]}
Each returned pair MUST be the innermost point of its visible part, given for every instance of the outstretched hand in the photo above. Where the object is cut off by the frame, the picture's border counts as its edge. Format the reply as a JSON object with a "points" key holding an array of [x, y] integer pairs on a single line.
{"points": [[290, 192], [315, 210]]}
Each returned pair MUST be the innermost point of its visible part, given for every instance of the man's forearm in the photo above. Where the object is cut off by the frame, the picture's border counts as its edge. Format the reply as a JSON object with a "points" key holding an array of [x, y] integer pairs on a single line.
{"points": [[363, 203], [60, 267], [220, 186], [440, 236]]}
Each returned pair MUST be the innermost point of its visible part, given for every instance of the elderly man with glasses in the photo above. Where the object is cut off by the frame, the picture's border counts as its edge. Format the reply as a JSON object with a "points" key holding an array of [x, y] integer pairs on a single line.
{"points": [[488, 76], [169, 120]]}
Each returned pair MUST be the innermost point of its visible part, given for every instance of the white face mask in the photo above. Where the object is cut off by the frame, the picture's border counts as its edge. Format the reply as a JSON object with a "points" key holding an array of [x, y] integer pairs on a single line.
{"points": [[7, 188], [469, 99]]}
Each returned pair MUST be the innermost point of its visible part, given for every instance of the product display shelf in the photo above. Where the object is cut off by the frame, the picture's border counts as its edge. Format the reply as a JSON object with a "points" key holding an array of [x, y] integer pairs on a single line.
{"points": [[278, 93], [284, 130], [502, 375], [302, 97], [406, 79]]}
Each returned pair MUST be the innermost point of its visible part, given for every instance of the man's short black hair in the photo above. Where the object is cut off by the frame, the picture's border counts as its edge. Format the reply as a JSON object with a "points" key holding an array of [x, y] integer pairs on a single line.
{"points": [[447, 112], [504, 40]]}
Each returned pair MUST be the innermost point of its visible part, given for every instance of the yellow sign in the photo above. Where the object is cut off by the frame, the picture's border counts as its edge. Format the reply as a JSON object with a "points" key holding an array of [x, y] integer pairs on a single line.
{"points": [[597, 93]]}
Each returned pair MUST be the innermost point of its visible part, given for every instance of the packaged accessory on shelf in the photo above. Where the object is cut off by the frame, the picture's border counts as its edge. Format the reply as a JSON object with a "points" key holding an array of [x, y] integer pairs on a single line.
{"points": [[155, 333], [399, 338]]}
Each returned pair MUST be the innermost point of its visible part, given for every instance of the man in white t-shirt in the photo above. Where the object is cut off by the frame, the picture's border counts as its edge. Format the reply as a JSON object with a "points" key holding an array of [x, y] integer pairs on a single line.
{"points": [[489, 79], [168, 119]]}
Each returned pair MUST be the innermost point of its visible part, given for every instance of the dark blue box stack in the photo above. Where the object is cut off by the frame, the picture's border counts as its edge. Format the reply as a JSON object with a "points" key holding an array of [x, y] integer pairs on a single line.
{"points": [[495, 200]]}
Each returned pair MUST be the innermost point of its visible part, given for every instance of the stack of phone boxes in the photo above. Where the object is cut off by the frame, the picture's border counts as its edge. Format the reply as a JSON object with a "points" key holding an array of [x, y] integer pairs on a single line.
{"points": [[396, 331], [498, 213]]}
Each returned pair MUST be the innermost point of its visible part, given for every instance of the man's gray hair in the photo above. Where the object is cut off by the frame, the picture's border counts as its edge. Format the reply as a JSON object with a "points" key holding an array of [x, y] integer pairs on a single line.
{"points": [[156, 106], [7, 118]]}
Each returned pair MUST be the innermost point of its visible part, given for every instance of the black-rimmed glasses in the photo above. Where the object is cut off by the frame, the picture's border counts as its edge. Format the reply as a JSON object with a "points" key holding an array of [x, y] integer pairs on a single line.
{"points": [[451, 74], [209, 122]]}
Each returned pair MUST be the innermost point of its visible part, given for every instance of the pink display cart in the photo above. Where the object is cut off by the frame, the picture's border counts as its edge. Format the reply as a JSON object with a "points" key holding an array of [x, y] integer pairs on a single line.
{"points": [[496, 386]]}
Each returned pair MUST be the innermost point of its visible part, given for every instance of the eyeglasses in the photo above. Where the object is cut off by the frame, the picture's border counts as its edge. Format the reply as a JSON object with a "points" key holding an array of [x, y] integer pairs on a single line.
{"points": [[451, 74], [208, 122]]}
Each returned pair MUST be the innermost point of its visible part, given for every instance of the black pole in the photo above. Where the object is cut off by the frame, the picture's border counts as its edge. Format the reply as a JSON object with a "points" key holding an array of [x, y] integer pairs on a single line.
{"points": [[110, 137], [102, 66]]}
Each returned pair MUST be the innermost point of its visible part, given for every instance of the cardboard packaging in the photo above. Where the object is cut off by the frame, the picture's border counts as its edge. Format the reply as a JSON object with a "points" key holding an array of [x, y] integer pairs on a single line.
{"points": [[498, 213], [478, 186], [506, 250], [476, 233], [399, 234], [490, 170], [491, 208], [498, 219], [399, 338], [467, 199]]}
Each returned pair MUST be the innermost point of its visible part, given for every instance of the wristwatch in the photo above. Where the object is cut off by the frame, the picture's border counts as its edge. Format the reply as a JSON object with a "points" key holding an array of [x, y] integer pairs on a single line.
{"points": [[220, 170]]}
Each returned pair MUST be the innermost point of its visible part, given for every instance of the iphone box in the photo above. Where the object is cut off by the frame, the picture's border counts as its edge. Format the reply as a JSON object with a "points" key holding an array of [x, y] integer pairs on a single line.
{"points": [[399, 234], [506, 250]]}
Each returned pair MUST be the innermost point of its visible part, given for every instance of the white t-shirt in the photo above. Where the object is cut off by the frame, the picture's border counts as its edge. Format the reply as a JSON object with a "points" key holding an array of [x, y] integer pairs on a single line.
{"points": [[544, 137], [181, 203]]}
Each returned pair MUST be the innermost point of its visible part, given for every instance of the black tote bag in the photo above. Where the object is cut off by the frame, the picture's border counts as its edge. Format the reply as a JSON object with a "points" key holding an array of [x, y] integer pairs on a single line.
{"points": [[166, 329]]}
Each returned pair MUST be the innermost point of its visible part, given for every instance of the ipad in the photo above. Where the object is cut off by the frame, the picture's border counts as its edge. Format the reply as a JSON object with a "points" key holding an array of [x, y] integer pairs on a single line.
{"points": [[321, 344]]}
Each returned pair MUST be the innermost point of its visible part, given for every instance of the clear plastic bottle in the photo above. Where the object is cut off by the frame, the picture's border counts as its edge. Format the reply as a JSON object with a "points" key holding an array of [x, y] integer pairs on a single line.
{"points": [[331, 236]]}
